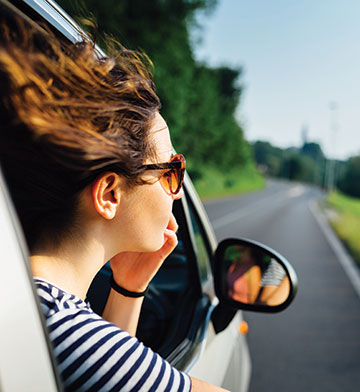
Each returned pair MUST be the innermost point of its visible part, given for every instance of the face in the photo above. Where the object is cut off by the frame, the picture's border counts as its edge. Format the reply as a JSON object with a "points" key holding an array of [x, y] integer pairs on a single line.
{"points": [[145, 211]]}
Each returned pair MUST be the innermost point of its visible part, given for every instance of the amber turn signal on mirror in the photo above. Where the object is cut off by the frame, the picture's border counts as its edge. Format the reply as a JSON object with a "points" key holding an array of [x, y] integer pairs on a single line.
{"points": [[243, 328]]}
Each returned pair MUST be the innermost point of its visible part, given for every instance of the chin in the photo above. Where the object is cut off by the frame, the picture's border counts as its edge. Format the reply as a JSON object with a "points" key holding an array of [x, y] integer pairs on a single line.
{"points": [[155, 246], [149, 246]]}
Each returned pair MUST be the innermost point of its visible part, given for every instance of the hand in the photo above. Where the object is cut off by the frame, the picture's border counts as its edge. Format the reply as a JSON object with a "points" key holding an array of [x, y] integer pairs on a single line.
{"points": [[134, 270]]}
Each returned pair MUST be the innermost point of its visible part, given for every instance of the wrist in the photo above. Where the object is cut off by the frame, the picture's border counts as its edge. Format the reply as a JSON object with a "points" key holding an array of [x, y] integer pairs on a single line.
{"points": [[126, 293]]}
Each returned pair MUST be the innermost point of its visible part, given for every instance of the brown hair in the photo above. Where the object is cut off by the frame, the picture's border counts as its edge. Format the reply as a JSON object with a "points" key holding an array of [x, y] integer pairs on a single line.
{"points": [[68, 115]]}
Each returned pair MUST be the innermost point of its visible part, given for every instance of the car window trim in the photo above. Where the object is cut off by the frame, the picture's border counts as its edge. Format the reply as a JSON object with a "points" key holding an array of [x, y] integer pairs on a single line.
{"points": [[55, 17], [207, 282]]}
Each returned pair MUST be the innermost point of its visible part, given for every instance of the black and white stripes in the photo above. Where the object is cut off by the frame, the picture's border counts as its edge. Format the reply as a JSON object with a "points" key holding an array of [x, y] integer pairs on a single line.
{"points": [[95, 355]]}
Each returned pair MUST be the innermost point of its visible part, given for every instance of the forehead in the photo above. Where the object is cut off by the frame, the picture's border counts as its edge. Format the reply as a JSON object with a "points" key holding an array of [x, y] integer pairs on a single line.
{"points": [[160, 137]]}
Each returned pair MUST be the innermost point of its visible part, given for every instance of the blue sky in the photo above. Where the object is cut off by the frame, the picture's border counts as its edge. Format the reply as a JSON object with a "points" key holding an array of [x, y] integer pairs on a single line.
{"points": [[298, 57]]}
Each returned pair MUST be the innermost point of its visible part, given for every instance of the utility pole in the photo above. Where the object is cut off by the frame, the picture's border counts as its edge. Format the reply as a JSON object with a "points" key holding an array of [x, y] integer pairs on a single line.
{"points": [[330, 167]]}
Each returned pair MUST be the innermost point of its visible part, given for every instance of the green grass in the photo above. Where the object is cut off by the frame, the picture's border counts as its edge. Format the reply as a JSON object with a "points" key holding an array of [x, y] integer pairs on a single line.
{"points": [[214, 183], [347, 223]]}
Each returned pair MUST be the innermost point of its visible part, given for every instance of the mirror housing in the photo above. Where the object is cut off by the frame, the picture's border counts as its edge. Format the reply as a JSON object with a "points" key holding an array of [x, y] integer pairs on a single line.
{"points": [[252, 276]]}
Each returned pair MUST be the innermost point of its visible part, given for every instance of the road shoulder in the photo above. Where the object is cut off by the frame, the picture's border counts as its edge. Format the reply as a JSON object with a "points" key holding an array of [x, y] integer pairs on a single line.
{"points": [[340, 251]]}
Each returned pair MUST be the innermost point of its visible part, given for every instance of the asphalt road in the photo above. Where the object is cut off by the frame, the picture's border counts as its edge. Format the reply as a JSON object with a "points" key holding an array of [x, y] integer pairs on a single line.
{"points": [[314, 345]]}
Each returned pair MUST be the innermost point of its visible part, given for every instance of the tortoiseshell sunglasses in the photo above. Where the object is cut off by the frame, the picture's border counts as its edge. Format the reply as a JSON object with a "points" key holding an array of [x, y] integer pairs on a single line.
{"points": [[173, 176]]}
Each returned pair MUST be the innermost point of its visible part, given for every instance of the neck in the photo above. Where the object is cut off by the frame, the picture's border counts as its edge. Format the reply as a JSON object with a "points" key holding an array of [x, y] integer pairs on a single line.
{"points": [[72, 268]]}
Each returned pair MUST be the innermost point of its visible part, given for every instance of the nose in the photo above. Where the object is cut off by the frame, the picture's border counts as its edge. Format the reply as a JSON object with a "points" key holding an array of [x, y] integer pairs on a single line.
{"points": [[179, 195]]}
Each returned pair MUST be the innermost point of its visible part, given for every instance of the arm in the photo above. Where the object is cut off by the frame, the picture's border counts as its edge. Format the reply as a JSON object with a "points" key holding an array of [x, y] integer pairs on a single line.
{"points": [[123, 311], [133, 271], [202, 386]]}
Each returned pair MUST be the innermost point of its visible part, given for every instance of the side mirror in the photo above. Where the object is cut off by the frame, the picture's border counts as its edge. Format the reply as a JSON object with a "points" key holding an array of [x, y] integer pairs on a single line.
{"points": [[252, 276]]}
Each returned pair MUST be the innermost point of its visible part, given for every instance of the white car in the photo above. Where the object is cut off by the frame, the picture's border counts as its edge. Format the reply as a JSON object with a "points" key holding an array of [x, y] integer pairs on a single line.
{"points": [[190, 315]]}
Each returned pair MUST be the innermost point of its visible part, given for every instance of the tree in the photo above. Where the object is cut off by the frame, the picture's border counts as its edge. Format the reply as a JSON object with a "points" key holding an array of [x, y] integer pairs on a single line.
{"points": [[313, 150], [270, 157], [198, 102], [350, 183]]}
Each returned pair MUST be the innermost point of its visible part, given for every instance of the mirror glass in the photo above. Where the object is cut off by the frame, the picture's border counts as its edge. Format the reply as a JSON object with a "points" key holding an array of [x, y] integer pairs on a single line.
{"points": [[252, 275]]}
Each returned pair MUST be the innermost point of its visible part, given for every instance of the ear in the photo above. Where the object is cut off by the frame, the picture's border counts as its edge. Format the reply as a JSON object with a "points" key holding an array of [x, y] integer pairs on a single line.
{"points": [[106, 193]]}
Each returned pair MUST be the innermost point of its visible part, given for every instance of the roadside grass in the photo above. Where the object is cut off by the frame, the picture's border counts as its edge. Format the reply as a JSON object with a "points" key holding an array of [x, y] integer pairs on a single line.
{"points": [[214, 183], [347, 222]]}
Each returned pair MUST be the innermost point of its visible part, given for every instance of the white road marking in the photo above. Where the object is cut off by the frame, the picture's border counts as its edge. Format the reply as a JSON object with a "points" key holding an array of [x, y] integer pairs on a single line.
{"points": [[341, 253], [256, 206], [296, 191]]}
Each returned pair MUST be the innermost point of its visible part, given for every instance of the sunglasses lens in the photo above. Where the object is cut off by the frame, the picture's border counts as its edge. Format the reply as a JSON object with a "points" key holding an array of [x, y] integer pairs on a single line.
{"points": [[165, 181], [174, 180], [171, 180]]}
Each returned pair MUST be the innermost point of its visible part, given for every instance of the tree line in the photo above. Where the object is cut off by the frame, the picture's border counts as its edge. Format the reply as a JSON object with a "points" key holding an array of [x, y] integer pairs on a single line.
{"points": [[198, 101], [309, 164]]}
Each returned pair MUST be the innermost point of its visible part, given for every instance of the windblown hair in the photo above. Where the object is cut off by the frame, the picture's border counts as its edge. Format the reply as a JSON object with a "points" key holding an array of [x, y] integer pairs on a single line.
{"points": [[68, 115]]}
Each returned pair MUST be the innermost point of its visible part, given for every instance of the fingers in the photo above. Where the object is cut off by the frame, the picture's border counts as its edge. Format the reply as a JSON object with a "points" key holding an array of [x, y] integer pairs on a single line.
{"points": [[170, 242], [170, 236], [172, 225]]}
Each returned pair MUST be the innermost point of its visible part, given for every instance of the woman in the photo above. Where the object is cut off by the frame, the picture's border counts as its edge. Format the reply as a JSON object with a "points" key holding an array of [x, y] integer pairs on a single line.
{"points": [[88, 160]]}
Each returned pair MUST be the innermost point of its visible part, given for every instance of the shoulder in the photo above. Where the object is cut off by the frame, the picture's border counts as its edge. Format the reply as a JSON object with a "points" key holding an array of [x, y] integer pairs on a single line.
{"points": [[95, 354], [53, 299]]}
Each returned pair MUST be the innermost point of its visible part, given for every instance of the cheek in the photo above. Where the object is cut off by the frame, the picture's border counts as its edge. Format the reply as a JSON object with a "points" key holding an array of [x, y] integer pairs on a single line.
{"points": [[147, 219], [159, 208]]}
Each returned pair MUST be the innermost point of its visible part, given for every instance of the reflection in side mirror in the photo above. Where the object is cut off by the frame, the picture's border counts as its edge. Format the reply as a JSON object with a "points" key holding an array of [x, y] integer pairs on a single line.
{"points": [[251, 276]]}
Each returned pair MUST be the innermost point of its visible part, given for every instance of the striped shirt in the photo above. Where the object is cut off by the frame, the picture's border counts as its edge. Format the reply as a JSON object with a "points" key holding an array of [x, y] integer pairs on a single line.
{"points": [[95, 355], [273, 275]]}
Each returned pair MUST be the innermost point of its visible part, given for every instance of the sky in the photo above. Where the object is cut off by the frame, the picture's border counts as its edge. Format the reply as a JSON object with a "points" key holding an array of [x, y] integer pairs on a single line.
{"points": [[301, 68]]}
